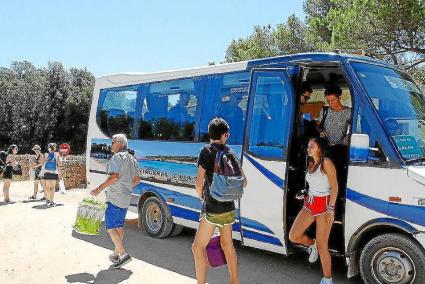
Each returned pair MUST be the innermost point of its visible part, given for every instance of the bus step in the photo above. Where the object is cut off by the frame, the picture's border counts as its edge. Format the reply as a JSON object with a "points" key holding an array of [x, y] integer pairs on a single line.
{"points": [[298, 247]]}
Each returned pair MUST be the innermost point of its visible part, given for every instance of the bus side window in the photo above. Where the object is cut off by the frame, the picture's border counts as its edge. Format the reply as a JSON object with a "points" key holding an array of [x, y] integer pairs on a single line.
{"points": [[269, 131], [362, 125], [226, 97], [116, 108], [168, 111]]}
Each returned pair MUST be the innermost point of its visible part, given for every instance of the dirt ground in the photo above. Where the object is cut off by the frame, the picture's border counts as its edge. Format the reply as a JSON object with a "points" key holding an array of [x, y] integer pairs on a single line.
{"points": [[38, 245]]}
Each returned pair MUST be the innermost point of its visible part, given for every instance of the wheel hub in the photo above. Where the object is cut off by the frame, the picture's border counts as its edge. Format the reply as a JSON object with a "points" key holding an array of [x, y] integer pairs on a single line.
{"points": [[153, 218], [394, 266]]}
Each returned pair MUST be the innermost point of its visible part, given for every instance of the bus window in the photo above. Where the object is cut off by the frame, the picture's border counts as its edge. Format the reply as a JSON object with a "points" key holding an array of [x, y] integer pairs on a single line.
{"points": [[399, 104], [168, 111], [271, 109], [229, 97], [116, 108]]}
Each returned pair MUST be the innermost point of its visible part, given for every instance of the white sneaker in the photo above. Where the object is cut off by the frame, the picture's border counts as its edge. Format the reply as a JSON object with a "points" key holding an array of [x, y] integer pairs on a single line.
{"points": [[326, 281], [313, 253]]}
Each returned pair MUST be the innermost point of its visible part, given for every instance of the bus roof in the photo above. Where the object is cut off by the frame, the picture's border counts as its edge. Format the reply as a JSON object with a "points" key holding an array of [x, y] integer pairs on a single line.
{"points": [[122, 79]]}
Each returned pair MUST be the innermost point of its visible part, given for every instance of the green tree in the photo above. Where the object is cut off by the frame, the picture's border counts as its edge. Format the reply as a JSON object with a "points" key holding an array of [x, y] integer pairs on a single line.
{"points": [[418, 74], [77, 109], [390, 30], [267, 41], [291, 37], [319, 31], [44, 105], [258, 45]]}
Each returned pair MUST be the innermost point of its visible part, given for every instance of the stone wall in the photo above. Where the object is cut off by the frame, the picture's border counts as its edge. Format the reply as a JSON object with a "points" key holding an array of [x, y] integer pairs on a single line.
{"points": [[73, 170]]}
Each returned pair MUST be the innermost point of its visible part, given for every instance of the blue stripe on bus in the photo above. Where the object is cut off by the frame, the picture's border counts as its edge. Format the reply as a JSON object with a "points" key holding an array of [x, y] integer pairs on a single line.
{"points": [[164, 193], [267, 173], [194, 216], [193, 203], [408, 213]]}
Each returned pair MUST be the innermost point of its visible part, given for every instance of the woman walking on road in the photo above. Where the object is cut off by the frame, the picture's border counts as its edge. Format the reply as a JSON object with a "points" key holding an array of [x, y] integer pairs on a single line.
{"points": [[8, 172], [51, 173], [36, 167], [319, 207]]}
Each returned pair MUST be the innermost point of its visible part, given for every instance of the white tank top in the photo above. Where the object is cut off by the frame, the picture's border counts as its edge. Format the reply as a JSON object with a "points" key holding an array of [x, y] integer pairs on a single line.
{"points": [[318, 182]]}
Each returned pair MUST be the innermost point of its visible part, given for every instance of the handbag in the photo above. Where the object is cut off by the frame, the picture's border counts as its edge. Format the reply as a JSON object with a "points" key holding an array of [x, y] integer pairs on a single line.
{"points": [[215, 253]]}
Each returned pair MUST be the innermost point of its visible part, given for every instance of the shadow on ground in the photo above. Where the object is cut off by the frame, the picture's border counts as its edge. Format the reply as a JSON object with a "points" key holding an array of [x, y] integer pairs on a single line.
{"points": [[107, 276], [32, 200], [8, 203], [45, 206], [256, 266]]}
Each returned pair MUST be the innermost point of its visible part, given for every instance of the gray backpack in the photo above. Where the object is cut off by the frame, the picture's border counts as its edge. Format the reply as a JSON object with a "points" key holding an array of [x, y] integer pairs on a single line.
{"points": [[227, 181]]}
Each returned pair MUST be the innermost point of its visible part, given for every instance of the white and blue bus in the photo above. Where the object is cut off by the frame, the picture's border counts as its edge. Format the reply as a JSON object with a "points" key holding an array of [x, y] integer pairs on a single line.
{"points": [[380, 223]]}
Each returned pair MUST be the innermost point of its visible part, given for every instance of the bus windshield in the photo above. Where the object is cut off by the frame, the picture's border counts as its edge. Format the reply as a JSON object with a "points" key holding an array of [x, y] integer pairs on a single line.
{"points": [[399, 104]]}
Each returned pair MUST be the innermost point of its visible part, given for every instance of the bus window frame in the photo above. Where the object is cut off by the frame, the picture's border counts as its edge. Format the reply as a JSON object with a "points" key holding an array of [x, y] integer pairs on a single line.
{"points": [[248, 122], [102, 97], [388, 145], [141, 96]]}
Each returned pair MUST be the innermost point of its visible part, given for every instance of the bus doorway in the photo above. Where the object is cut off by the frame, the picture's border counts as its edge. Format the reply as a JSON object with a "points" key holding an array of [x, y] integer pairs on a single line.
{"points": [[308, 117]]}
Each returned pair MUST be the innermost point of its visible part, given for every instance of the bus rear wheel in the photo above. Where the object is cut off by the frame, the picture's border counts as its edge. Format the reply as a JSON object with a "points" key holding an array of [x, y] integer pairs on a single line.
{"points": [[177, 229], [392, 258], [156, 218]]}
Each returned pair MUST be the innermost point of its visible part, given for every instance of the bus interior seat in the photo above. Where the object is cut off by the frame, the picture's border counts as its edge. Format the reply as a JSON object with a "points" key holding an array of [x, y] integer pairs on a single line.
{"points": [[313, 108], [114, 112]]}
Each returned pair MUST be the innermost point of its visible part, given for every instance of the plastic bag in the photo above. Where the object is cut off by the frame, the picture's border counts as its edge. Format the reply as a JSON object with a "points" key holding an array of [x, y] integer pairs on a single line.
{"points": [[89, 215], [32, 174], [62, 188]]}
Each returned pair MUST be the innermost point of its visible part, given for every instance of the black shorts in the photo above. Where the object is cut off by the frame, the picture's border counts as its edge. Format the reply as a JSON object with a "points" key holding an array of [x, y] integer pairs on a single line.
{"points": [[50, 176], [37, 173], [8, 173]]}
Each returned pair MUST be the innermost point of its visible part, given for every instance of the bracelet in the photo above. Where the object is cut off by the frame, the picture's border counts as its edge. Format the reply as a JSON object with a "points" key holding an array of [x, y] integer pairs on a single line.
{"points": [[330, 209]]}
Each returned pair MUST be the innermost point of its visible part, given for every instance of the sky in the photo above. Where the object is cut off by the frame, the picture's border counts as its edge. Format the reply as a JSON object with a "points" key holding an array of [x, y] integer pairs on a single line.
{"points": [[108, 37]]}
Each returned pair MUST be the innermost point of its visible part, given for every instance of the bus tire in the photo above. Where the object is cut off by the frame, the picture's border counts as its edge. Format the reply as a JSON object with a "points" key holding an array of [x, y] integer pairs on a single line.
{"points": [[177, 229], [156, 218], [392, 258]]}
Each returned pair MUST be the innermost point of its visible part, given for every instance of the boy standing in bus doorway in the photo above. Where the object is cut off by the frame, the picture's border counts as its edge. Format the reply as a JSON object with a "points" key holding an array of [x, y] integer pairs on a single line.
{"points": [[304, 130], [123, 176]]}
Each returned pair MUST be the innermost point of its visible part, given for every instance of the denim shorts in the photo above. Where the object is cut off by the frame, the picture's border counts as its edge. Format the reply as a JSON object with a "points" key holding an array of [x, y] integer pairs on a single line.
{"points": [[114, 216]]}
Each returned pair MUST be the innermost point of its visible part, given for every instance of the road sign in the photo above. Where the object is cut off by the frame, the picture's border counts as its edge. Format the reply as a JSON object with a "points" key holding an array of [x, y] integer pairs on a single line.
{"points": [[64, 149]]}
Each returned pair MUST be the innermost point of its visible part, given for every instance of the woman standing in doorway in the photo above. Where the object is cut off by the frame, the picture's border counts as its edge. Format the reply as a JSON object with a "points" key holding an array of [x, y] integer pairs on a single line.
{"points": [[319, 207], [51, 173], [8, 172]]}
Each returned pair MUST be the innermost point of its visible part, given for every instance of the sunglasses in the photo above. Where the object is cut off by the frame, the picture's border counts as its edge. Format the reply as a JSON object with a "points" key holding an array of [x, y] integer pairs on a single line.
{"points": [[306, 98]]}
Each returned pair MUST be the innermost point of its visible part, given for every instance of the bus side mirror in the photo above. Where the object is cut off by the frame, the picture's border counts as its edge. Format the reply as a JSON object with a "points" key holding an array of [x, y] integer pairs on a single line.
{"points": [[359, 148]]}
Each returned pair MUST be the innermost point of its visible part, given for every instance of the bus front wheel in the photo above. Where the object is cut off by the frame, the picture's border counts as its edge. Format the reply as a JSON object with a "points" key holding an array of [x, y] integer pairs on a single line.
{"points": [[392, 258], [156, 218]]}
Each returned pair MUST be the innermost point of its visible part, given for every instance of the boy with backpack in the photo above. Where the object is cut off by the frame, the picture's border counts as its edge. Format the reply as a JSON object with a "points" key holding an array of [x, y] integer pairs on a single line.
{"points": [[219, 182]]}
